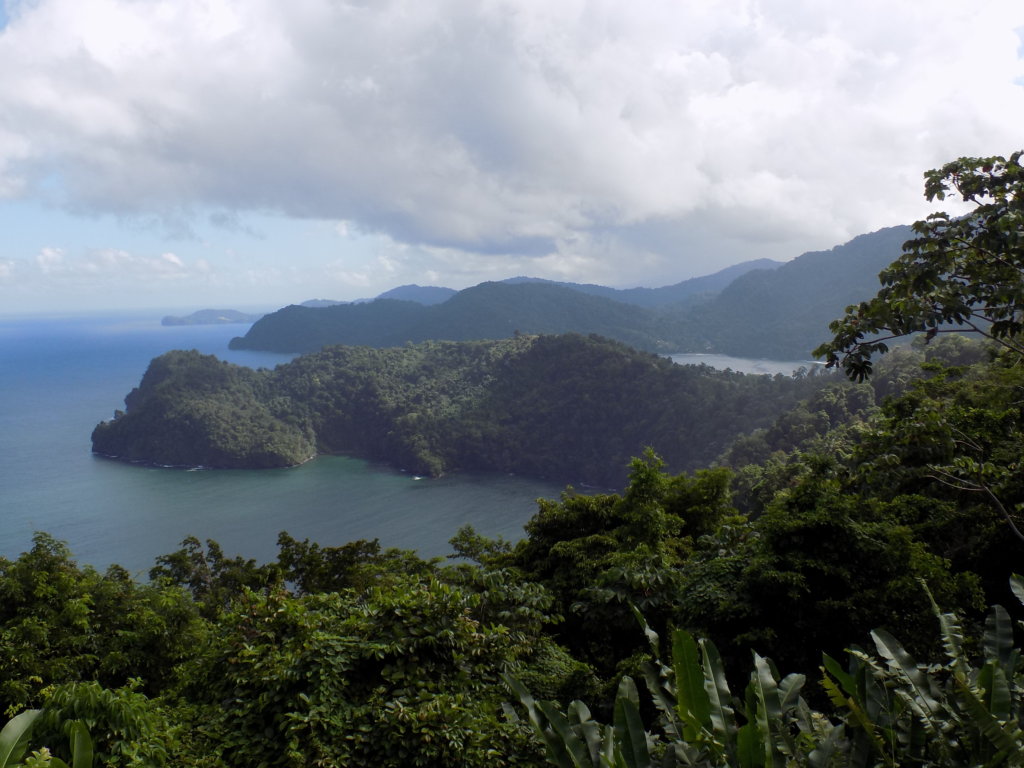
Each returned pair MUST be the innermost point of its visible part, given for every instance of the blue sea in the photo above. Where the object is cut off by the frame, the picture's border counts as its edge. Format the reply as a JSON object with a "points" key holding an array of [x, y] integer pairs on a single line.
{"points": [[60, 376]]}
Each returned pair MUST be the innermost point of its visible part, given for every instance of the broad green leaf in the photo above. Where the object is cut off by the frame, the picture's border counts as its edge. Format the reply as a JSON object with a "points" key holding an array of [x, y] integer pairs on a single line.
{"points": [[591, 730], [14, 737], [890, 648], [998, 637], [789, 690], [749, 749], [716, 686], [571, 750], [692, 702], [526, 698], [630, 737], [769, 712], [81, 746], [1017, 585], [997, 697]]}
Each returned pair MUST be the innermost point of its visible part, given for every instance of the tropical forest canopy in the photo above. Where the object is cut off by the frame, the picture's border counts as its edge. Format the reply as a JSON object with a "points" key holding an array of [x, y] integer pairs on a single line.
{"points": [[817, 595]]}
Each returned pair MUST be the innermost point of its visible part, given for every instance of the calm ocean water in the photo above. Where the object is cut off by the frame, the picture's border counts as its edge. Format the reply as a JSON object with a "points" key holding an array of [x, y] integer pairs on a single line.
{"points": [[60, 376]]}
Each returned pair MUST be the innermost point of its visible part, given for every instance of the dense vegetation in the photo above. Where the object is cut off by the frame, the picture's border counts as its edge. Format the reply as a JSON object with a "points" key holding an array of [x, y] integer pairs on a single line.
{"points": [[567, 407], [770, 312], [855, 545]]}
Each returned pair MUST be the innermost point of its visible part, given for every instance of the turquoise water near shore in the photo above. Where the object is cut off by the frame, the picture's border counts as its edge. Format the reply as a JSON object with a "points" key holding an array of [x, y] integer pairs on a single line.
{"points": [[59, 376]]}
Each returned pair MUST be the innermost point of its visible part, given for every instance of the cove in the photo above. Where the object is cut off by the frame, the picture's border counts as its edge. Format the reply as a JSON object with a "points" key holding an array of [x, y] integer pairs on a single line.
{"points": [[60, 376]]}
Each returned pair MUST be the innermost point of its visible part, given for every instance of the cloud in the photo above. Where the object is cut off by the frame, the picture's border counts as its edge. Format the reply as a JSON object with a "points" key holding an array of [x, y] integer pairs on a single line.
{"points": [[52, 264], [50, 260], [573, 134]]}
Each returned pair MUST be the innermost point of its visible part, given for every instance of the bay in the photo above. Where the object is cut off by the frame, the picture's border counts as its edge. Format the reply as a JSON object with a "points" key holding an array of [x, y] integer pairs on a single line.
{"points": [[59, 376]]}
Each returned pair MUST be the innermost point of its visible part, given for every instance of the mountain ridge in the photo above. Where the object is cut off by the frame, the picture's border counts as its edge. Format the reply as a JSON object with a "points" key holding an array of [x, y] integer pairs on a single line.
{"points": [[781, 311]]}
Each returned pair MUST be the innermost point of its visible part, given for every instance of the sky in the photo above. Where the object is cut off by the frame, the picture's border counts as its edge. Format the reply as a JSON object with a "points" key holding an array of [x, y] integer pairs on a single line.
{"points": [[257, 153]]}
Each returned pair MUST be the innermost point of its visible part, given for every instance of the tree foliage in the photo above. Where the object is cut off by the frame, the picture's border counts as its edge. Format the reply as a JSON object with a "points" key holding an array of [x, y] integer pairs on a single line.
{"points": [[958, 273]]}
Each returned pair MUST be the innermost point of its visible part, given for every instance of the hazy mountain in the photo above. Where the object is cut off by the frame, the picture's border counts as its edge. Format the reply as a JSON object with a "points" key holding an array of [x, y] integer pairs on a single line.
{"points": [[211, 317], [785, 312]]}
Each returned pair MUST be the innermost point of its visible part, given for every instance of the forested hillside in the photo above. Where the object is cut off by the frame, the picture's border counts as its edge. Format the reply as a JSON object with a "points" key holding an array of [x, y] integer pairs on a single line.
{"points": [[780, 313], [771, 312], [568, 407], [836, 590]]}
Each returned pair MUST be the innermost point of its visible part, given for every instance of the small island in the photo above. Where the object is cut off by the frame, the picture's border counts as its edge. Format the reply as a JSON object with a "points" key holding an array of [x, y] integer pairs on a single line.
{"points": [[211, 317]]}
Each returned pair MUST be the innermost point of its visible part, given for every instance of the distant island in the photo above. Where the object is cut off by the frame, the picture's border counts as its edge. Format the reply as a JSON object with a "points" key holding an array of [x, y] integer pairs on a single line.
{"points": [[211, 317]]}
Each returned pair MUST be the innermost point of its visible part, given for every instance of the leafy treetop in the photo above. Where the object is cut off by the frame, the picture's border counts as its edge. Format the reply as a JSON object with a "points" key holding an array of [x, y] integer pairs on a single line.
{"points": [[959, 274]]}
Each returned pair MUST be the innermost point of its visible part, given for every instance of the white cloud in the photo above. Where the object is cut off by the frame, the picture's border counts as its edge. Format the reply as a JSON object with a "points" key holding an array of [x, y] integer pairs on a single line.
{"points": [[111, 264], [583, 138], [50, 260]]}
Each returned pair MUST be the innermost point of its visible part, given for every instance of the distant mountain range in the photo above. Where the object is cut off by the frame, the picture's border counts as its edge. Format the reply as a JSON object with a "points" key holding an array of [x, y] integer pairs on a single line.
{"points": [[643, 297], [759, 308]]}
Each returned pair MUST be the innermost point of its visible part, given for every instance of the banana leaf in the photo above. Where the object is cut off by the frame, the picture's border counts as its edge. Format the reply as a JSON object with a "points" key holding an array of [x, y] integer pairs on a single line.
{"points": [[14, 737], [628, 728]]}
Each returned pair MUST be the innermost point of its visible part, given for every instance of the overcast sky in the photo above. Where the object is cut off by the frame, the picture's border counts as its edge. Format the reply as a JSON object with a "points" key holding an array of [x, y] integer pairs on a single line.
{"points": [[235, 153]]}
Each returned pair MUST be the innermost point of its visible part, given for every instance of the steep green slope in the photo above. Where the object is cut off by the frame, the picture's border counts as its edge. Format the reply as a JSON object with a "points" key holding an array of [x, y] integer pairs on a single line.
{"points": [[570, 407], [780, 313]]}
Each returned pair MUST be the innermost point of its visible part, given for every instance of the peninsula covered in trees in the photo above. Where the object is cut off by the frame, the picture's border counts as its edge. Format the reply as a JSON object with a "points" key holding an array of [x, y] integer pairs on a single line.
{"points": [[828, 593], [569, 407]]}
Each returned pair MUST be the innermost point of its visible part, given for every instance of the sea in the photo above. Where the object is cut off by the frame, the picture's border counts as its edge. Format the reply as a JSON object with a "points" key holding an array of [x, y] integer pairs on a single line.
{"points": [[60, 376]]}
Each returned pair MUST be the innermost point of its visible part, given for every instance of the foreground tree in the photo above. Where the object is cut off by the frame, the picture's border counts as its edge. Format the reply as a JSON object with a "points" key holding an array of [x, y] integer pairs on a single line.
{"points": [[961, 273]]}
